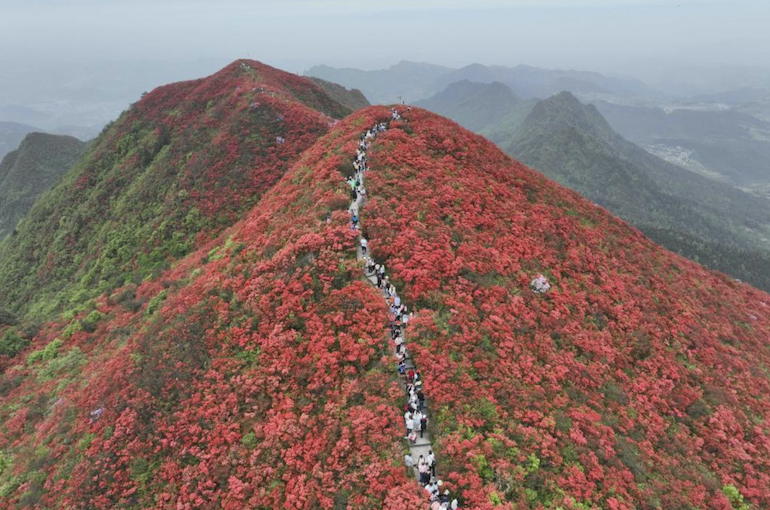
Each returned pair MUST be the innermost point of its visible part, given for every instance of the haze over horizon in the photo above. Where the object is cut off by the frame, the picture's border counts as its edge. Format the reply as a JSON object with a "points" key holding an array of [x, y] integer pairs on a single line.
{"points": [[84, 61]]}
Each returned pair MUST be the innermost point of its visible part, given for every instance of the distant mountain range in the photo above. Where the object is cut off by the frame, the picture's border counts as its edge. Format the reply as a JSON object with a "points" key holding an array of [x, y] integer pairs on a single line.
{"points": [[707, 221], [413, 81], [528, 81], [32, 169], [409, 80], [723, 136]]}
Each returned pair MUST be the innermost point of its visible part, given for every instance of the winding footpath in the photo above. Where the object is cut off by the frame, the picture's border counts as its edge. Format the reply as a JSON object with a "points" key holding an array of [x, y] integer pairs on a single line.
{"points": [[422, 446]]}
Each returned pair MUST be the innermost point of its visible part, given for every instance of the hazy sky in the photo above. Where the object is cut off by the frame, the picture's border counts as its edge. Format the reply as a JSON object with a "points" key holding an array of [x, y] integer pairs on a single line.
{"points": [[296, 34], [81, 62]]}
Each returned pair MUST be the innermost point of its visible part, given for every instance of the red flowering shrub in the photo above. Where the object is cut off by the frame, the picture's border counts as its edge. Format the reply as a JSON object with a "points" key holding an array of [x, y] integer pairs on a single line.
{"points": [[637, 381]]}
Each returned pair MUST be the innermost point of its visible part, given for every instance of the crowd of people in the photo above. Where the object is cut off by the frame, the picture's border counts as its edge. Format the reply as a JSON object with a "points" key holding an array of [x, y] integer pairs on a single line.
{"points": [[415, 410]]}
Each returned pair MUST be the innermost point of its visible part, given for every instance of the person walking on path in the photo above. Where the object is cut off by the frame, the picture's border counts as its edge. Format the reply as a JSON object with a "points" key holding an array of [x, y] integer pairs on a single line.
{"points": [[364, 245], [416, 420], [423, 470], [408, 423]]}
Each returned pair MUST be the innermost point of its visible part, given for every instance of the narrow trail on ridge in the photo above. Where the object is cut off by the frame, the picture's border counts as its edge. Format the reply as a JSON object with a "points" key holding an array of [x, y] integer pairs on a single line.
{"points": [[423, 444]]}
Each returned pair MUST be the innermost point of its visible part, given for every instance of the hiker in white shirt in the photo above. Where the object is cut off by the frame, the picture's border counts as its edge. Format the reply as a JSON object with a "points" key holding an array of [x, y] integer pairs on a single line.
{"points": [[416, 417]]}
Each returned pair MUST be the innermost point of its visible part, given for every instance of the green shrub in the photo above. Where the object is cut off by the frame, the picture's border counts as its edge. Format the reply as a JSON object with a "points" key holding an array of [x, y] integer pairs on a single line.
{"points": [[74, 359], [249, 440], [9, 487], [735, 497], [5, 462], [155, 302], [90, 322], [11, 343], [533, 463], [86, 441], [483, 467], [72, 328], [48, 352], [249, 357]]}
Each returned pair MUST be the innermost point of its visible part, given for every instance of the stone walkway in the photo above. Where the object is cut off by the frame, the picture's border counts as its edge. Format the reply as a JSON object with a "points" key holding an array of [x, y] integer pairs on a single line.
{"points": [[423, 445]]}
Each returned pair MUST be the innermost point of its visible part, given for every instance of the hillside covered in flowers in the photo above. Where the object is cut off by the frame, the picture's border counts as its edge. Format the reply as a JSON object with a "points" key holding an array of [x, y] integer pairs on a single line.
{"points": [[640, 380], [252, 369], [181, 164]]}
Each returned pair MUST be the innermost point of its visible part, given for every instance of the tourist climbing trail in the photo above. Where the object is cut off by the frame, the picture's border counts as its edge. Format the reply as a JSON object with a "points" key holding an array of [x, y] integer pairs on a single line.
{"points": [[417, 437]]}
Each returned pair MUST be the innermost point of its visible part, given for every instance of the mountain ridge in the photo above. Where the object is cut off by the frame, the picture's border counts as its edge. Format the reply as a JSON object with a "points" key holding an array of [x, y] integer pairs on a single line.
{"points": [[180, 165]]}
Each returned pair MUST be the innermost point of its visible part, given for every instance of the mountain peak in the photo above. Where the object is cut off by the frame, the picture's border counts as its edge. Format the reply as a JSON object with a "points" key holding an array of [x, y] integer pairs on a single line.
{"points": [[40, 161], [183, 163], [42, 139], [719, 226], [243, 77], [564, 111], [565, 97]]}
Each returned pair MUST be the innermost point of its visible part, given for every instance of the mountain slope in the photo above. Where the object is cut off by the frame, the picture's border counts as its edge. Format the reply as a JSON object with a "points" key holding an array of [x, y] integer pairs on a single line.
{"points": [[637, 373], [729, 146], [174, 170], [352, 98], [30, 170], [250, 375], [713, 223], [474, 106]]}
